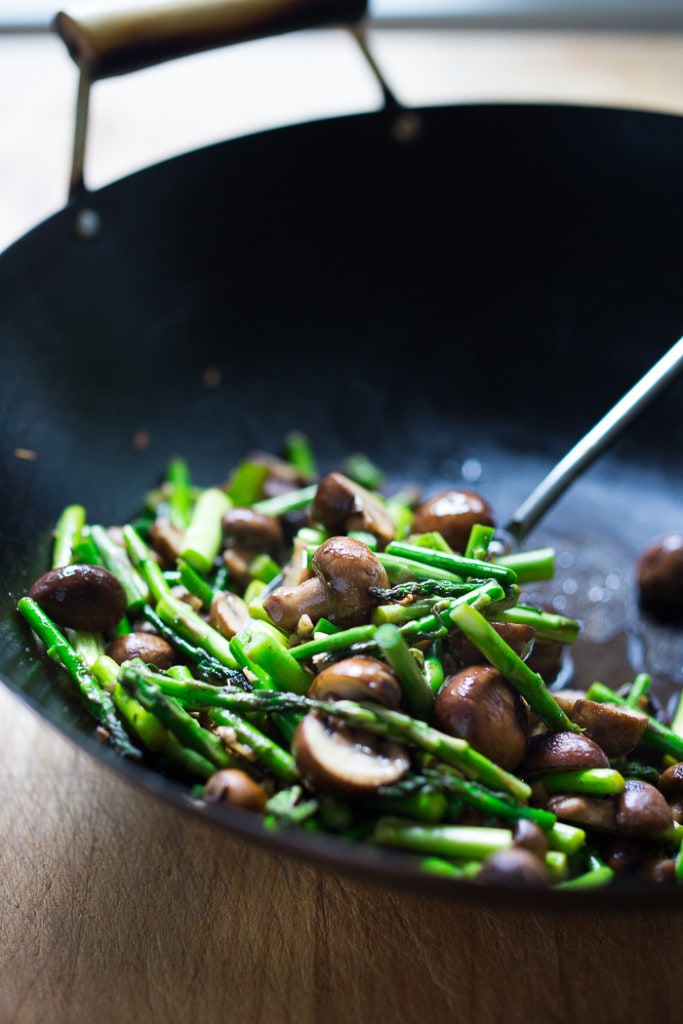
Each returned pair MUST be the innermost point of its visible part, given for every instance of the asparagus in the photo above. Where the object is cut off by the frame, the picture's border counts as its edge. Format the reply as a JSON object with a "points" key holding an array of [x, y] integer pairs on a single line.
{"points": [[597, 781], [67, 535], [204, 534], [291, 501], [115, 558], [180, 496], [416, 690], [98, 702], [462, 841], [205, 662], [195, 583], [639, 688], [530, 566], [546, 625], [458, 565], [529, 683], [185, 621], [145, 562], [299, 453], [479, 541], [271, 754]]}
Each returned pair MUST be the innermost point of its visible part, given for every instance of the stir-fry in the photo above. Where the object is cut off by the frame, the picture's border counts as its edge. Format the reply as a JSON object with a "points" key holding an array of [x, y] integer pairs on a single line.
{"points": [[337, 656]]}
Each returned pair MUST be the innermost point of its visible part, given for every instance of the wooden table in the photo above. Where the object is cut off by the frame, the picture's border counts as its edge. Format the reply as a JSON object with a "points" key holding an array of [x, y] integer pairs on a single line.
{"points": [[114, 908]]}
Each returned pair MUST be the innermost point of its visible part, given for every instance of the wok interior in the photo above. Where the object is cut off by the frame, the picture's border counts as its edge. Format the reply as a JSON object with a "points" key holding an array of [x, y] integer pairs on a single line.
{"points": [[469, 302]]}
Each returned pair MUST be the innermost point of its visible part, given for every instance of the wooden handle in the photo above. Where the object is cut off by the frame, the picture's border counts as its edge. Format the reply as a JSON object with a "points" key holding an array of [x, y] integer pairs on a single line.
{"points": [[119, 38]]}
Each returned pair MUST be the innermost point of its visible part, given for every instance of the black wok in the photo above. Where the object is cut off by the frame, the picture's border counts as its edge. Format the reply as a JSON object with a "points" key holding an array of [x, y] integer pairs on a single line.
{"points": [[481, 287]]}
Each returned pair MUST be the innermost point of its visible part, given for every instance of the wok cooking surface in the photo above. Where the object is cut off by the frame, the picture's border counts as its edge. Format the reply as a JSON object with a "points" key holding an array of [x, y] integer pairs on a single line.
{"points": [[466, 302]]}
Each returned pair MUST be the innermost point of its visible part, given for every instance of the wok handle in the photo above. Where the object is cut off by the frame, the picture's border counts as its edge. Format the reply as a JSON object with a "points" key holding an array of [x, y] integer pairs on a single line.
{"points": [[119, 38]]}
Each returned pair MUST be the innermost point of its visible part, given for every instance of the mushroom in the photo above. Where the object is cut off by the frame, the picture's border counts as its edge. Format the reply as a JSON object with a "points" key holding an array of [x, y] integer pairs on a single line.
{"points": [[341, 505], [670, 784], [253, 530], [518, 636], [167, 541], [80, 596], [453, 513], [359, 677], [235, 787], [562, 751], [478, 705], [616, 729], [339, 759], [527, 835], [150, 648], [514, 866], [228, 613], [641, 810], [345, 571], [659, 573], [584, 811]]}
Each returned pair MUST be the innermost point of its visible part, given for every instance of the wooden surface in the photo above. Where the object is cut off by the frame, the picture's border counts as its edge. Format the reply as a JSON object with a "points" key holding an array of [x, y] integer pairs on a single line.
{"points": [[114, 908]]}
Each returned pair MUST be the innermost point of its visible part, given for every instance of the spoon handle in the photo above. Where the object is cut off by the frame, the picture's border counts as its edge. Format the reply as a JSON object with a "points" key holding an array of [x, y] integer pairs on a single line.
{"points": [[595, 442]]}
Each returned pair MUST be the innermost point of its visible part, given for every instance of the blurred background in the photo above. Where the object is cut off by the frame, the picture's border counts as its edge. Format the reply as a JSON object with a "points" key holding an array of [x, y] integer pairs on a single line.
{"points": [[618, 52]]}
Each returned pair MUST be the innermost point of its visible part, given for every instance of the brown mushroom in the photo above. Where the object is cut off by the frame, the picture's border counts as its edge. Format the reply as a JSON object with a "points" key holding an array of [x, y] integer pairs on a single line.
{"points": [[150, 648], [562, 751], [235, 787], [478, 705], [341, 505], [345, 571], [518, 636], [641, 810], [453, 513], [670, 784], [514, 866], [78, 596], [336, 758], [228, 613], [529, 836], [616, 729], [584, 811], [359, 677], [167, 541], [253, 530], [659, 573]]}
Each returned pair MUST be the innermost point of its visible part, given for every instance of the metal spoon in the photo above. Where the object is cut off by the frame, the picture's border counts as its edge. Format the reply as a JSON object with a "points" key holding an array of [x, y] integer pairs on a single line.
{"points": [[594, 443]]}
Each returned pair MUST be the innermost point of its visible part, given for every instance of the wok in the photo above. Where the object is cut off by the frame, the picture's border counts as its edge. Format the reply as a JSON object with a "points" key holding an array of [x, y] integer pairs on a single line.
{"points": [[442, 288]]}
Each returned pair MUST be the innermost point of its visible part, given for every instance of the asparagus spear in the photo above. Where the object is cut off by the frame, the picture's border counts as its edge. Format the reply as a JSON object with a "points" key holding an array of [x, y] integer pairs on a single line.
{"points": [[67, 535], [98, 702], [656, 733], [458, 565]]}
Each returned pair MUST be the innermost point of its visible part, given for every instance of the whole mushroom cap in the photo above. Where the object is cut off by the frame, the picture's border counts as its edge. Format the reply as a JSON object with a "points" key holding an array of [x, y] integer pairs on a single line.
{"points": [[349, 569], [453, 513], [659, 574], [341, 505], [562, 751]]}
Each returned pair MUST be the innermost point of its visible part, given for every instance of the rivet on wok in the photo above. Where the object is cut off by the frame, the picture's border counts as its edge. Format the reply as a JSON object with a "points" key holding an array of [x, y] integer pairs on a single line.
{"points": [[87, 225]]}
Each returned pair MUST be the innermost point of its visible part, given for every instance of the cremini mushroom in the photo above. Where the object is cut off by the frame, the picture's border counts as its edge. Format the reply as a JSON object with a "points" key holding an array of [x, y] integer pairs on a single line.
{"points": [[642, 810], [233, 786], [479, 706], [228, 613], [359, 677], [562, 751], [150, 648], [86, 597], [515, 867], [529, 836], [670, 784], [584, 811], [345, 571], [453, 513], [253, 530], [341, 505], [517, 635], [617, 730], [167, 541], [659, 573], [338, 759]]}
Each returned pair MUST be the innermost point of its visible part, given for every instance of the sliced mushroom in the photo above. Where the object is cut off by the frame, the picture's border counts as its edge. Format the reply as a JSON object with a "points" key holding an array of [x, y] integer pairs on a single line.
{"points": [[568, 698], [78, 596], [360, 677], [641, 810], [338, 759], [345, 570], [616, 729], [478, 705], [341, 505], [149, 647], [228, 614], [515, 867], [235, 787], [562, 751], [453, 513]]}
